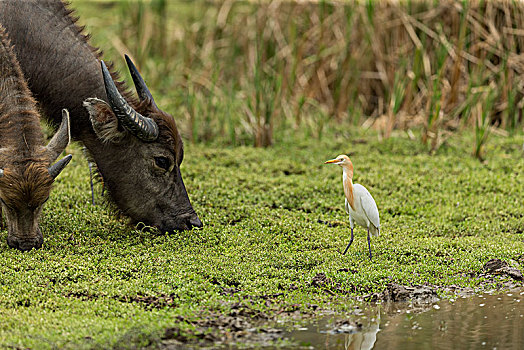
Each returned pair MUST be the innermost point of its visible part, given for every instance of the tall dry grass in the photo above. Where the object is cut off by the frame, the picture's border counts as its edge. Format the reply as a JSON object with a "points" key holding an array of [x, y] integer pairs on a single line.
{"points": [[245, 70]]}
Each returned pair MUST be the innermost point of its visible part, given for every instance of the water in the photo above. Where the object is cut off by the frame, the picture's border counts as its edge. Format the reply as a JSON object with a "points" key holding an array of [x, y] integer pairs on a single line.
{"points": [[477, 322]]}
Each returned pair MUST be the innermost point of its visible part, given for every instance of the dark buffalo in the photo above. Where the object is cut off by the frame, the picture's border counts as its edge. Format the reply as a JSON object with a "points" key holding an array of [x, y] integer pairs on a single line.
{"points": [[136, 146]]}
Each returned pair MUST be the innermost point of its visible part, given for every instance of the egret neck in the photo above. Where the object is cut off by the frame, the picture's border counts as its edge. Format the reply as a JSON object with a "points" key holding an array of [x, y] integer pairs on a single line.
{"points": [[347, 180]]}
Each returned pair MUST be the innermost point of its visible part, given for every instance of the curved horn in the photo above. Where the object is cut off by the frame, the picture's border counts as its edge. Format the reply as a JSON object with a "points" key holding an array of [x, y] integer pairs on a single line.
{"points": [[142, 127], [61, 138], [56, 168], [140, 85]]}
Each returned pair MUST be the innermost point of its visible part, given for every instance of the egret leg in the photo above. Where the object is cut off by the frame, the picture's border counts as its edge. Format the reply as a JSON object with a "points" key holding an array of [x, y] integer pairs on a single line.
{"points": [[350, 241], [369, 244]]}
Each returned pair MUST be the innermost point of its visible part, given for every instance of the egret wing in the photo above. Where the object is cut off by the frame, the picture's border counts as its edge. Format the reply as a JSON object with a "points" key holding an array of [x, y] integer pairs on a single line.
{"points": [[346, 205], [368, 205]]}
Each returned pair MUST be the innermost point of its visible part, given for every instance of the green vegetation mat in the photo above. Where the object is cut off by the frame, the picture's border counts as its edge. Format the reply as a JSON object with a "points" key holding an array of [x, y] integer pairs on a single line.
{"points": [[274, 220]]}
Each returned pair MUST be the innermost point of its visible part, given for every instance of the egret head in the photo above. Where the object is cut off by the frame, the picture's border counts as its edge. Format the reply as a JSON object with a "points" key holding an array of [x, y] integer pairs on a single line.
{"points": [[344, 162], [341, 160]]}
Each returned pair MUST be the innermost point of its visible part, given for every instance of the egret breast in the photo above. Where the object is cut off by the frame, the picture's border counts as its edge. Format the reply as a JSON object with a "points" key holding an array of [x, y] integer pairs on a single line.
{"points": [[358, 215]]}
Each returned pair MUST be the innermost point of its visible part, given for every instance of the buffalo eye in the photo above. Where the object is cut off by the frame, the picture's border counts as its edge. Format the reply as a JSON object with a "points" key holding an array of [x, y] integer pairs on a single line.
{"points": [[162, 162]]}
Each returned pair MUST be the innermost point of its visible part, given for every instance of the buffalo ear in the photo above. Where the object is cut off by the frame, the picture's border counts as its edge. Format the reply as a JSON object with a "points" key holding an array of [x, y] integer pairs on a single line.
{"points": [[61, 138], [104, 121]]}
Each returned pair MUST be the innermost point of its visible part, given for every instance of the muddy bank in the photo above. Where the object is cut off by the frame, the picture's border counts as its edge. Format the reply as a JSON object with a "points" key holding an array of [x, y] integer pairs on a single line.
{"points": [[244, 326], [239, 325], [496, 274]]}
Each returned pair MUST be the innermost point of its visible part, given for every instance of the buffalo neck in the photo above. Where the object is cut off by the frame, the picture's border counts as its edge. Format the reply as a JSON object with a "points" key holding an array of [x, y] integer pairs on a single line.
{"points": [[19, 119], [61, 68]]}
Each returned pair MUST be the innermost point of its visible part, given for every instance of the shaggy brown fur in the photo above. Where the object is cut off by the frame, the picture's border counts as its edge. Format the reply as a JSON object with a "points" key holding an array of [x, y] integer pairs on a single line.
{"points": [[19, 120], [27, 190], [25, 183]]}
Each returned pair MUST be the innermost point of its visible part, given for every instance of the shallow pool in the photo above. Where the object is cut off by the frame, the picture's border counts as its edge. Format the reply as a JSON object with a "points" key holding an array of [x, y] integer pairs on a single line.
{"points": [[476, 322]]}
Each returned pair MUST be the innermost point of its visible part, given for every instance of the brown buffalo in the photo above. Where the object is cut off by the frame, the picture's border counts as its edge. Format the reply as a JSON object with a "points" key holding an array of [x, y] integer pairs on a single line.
{"points": [[26, 173]]}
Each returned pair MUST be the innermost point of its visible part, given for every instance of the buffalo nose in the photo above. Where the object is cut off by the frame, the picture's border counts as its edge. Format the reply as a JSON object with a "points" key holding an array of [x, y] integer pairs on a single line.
{"points": [[194, 221]]}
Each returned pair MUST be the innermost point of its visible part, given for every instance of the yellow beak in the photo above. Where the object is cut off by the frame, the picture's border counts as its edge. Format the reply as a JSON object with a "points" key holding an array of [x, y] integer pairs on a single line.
{"points": [[331, 161]]}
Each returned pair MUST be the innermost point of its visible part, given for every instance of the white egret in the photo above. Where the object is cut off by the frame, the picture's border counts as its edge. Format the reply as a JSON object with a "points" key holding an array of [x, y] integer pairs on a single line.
{"points": [[359, 203]]}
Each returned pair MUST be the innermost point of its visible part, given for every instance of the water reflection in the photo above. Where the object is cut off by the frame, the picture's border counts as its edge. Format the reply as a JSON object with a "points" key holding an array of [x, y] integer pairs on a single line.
{"points": [[366, 338], [478, 322]]}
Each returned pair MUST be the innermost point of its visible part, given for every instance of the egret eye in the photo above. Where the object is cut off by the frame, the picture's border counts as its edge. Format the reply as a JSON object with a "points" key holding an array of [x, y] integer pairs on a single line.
{"points": [[162, 162]]}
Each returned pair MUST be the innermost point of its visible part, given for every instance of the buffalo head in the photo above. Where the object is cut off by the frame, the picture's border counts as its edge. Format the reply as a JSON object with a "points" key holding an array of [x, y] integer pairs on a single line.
{"points": [[150, 188], [25, 185]]}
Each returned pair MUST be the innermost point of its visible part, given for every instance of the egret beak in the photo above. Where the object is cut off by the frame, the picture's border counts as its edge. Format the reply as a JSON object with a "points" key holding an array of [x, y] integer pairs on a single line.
{"points": [[331, 161]]}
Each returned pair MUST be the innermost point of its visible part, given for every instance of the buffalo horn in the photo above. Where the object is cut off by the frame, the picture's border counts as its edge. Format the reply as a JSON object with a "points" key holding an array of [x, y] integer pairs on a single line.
{"points": [[140, 85], [57, 168], [142, 127]]}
